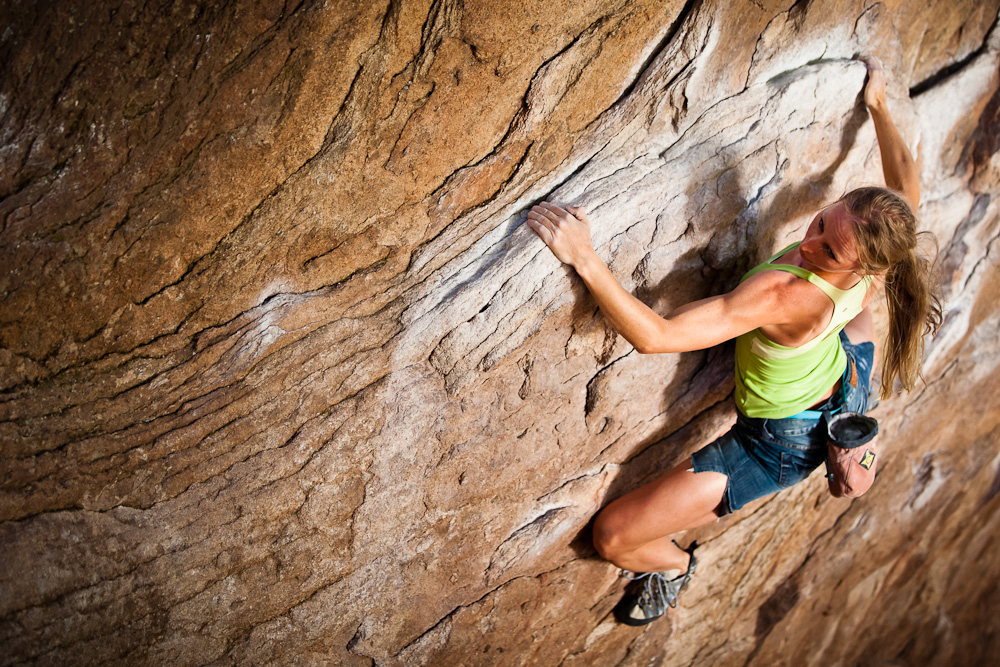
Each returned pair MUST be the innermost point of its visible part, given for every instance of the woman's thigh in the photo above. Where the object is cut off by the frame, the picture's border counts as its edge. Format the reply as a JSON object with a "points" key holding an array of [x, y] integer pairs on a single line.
{"points": [[678, 500], [862, 328]]}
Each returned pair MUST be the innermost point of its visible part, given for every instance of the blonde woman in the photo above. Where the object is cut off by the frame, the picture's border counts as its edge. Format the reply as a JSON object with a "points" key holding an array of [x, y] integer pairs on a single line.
{"points": [[805, 343]]}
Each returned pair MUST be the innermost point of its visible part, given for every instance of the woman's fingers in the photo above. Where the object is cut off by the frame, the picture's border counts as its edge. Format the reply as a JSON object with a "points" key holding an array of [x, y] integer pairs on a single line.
{"points": [[550, 217], [567, 235], [579, 214], [549, 212], [541, 230], [537, 220], [875, 87], [871, 62], [558, 215]]}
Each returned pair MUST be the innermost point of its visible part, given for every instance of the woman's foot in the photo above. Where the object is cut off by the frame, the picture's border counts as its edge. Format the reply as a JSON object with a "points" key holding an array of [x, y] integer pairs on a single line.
{"points": [[653, 592]]}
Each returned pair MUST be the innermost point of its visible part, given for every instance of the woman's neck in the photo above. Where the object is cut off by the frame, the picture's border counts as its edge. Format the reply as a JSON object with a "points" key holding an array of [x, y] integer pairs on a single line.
{"points": [[841, 279]]}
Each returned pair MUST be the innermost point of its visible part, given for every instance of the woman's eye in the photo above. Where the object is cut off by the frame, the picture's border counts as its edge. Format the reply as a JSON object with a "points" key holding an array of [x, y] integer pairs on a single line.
{"points": [[829, 252], [821, 225]]}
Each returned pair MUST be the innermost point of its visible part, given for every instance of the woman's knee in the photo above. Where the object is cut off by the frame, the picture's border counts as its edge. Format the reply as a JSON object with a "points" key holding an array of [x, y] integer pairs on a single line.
{"points": [[608, 534]]}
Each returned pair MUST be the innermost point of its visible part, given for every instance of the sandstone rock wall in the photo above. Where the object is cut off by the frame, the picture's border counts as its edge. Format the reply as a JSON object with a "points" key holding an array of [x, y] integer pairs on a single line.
{"points": [[284, 380]]}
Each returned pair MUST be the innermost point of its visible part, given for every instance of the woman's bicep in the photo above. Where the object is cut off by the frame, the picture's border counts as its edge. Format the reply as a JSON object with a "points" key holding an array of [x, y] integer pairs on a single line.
{"points": [[708, 322]]}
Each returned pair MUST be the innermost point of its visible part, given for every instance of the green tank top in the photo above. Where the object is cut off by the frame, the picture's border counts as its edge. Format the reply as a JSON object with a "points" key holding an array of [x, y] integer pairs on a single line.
{"points": [[774, 381]]}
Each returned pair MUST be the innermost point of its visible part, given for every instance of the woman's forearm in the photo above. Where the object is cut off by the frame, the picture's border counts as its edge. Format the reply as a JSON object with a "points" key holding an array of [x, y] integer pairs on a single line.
{"points": [[635, 321], [566, 231], [898, 166]]}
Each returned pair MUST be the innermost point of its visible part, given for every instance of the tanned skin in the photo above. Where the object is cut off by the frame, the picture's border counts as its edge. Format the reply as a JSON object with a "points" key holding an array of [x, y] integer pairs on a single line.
{"points": [[633, 532]]}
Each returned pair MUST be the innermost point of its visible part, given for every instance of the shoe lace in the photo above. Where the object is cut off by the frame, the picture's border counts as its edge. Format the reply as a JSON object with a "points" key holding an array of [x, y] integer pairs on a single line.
{"points": [[658, 592]]}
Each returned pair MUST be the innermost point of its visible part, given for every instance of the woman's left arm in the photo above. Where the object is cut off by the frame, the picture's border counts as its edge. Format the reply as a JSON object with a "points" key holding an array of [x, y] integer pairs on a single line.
{"points": [[898, 167]]}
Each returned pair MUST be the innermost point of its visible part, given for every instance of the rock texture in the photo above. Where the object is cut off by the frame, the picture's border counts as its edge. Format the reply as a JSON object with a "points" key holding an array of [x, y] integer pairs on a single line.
{"points": [[284, 379]]}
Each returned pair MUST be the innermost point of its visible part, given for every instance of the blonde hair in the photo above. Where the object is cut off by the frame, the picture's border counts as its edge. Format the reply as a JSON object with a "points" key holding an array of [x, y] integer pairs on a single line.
{"points": [[886, 237]]}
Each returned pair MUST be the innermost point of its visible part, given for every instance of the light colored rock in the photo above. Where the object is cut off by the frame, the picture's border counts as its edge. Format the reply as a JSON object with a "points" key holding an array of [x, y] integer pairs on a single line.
{"points": [[284, 379]]}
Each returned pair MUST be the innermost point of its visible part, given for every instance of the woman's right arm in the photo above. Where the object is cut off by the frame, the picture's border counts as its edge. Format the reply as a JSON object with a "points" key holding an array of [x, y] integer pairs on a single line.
{"points": [[696, 326], [898, 167]]}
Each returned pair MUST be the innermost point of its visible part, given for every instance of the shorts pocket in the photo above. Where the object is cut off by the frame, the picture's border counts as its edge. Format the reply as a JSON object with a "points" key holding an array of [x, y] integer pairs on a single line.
{"points": [[791, 432], [794, 469]]}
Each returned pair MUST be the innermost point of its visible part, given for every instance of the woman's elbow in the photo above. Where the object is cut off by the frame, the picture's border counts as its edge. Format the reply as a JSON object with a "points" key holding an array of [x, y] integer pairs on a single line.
{"points": [[648, 347], [656, 343], [660, 344]]}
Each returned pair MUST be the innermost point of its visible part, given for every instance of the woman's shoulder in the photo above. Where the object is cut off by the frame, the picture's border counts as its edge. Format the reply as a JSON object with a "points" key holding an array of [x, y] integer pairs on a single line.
{"points": [[785, 291], [778, 278]]}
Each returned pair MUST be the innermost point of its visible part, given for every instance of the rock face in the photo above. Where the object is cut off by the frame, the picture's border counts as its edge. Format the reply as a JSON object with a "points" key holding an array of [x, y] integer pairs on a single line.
{"points": [[284, 379]]}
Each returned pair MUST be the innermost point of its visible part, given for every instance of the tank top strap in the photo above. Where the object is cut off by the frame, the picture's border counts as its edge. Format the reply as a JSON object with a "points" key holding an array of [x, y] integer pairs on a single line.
{"points": [[832, 292]]}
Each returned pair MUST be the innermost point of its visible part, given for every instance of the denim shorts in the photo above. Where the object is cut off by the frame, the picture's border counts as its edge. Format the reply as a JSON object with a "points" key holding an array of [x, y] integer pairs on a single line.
{"points": [[762, 456]]}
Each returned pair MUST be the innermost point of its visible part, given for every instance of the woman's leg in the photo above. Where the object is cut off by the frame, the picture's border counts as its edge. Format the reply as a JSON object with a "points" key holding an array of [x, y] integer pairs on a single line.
{"points": [[633, 532], [862, 328]]}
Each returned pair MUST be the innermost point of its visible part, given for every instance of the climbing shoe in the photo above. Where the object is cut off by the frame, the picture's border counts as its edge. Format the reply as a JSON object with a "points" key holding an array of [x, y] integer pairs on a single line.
{"points": [[652, 593]]}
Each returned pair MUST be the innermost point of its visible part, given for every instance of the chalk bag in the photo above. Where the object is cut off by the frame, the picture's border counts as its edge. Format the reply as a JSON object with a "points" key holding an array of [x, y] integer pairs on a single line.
{"points": [[852, 453]]}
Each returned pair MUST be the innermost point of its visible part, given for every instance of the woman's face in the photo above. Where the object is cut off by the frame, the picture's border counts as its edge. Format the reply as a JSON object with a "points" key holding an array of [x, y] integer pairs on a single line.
{"points": [[829, 241]]}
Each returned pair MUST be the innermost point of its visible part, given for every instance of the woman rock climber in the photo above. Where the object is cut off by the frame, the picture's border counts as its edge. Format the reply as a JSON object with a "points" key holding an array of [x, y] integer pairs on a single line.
{"points": [[804, 343]]}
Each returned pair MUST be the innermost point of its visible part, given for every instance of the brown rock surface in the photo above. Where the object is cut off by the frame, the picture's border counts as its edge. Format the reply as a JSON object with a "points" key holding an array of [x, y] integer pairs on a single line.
{"points": [[283, 380]]}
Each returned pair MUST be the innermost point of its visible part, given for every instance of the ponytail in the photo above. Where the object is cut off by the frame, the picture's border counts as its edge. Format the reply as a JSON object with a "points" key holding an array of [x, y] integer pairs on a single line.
{"points": [[887, 243], [914, 311]]}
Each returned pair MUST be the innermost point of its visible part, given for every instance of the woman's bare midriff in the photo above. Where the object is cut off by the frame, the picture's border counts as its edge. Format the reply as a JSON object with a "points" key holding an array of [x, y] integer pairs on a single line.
{"points": [[827, 395]]}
